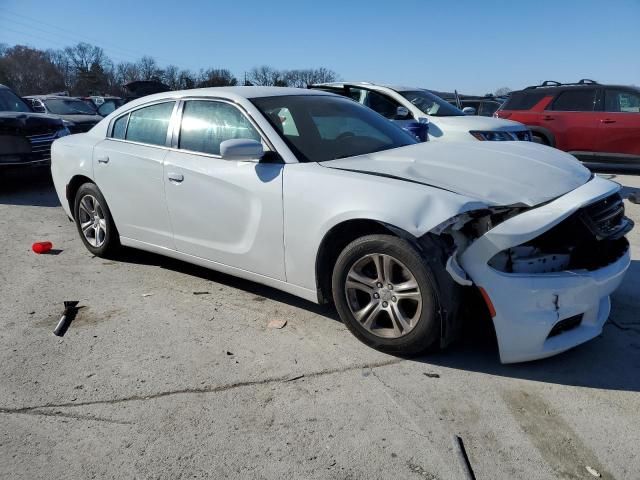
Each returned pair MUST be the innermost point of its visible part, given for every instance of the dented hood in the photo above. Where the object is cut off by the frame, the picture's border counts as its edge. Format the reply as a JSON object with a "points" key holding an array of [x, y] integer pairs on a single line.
{"points": [[497, 173]]}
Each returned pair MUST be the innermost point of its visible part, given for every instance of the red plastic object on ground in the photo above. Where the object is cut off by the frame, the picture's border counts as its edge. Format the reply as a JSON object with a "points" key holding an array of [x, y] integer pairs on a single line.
{"points": [[42, 247]]}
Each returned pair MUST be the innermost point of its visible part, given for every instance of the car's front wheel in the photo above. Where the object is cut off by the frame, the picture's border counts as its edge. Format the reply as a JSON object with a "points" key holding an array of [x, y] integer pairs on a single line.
{"points": [[386, 295], [94, 222]]}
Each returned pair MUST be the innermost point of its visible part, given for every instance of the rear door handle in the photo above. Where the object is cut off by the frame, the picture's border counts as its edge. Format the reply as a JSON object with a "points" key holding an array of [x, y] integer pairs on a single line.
{"points": [[175, 177], [103, 159], [607, 120]]}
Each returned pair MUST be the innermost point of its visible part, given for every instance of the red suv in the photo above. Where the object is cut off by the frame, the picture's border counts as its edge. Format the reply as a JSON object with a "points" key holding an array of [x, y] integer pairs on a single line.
{"points": [[599, 124]]}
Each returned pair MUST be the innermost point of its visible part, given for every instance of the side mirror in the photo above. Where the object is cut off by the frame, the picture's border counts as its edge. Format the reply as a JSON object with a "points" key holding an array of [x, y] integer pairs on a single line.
{"points": [[420, 130], [402, 113], [241, 149], [469, 111]]}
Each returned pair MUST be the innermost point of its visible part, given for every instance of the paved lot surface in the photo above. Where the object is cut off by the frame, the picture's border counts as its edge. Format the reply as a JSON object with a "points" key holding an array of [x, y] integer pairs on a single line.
{"points": [[175, 385]]}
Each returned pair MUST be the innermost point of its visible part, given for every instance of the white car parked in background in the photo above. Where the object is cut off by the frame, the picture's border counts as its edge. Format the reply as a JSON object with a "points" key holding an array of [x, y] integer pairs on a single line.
{"points": [[446, 122], [316, 195]]}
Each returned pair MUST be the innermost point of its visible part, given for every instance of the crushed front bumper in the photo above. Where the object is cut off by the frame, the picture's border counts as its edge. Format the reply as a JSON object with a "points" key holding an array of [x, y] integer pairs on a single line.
{"points": [[529, 306]]}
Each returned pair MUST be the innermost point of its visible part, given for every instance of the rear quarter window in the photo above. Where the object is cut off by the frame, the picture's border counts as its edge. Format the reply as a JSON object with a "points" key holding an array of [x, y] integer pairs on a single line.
{"points": [[523, 100], [120, 127]]}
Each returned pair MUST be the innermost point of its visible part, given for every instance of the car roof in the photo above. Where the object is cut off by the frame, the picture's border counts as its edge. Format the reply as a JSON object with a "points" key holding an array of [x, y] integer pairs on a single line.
{"points": [[51, 97], [552, 89], [230, 93], [397, 88]]}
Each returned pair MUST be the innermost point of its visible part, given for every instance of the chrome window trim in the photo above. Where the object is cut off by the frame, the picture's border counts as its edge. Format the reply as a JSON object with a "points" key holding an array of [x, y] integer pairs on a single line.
{"points": [[109, 135], [173, 131], [240, 108]]}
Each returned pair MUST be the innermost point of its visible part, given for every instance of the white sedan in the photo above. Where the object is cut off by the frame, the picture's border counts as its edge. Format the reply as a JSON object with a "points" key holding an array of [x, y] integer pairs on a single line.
{"points": [[319, 196]]}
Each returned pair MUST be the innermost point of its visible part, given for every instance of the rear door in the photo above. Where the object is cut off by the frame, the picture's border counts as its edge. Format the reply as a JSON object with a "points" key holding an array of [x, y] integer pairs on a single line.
{"points": [[574, 119], [128, 169], [619, 134]]}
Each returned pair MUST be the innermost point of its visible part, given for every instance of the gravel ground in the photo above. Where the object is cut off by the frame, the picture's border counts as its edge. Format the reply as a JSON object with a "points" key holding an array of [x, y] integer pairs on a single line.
{"points": [[152, 381]]}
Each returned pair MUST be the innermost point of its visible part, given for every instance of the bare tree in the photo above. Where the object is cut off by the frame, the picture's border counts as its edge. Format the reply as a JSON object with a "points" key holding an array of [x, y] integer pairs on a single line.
{"points": [[216, 77], [61, 61], [500, 92], [29, 71], [83, 55], [267, 76], [171, 77], [308, 76], [84, 69], [126, 72], [148, 68]]}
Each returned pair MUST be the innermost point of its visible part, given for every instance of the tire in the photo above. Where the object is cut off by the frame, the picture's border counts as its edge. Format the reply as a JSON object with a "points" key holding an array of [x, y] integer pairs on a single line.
{"points": [[356, 282], [541, 139], [100, 235]]}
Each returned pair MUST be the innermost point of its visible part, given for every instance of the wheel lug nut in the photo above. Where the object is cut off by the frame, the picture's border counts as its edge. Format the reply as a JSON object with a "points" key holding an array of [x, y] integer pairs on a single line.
{"points": [[375, 295], [390, 287], [394, 298], [385, 304], [379, 285]]}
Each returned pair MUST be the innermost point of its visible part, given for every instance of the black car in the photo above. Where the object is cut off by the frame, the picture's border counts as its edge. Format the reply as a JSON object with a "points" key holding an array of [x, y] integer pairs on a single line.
{"points": [[25, 136], [484, 106], [76, 115]]}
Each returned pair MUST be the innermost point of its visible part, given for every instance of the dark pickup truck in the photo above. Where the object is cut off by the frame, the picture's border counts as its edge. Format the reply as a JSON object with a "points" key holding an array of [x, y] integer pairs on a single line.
{"points": [[25, 136]]}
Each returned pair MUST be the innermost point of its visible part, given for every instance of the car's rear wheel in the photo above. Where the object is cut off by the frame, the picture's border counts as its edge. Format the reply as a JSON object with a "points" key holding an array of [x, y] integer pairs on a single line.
{"points": [[385, 294], [94, 222]]}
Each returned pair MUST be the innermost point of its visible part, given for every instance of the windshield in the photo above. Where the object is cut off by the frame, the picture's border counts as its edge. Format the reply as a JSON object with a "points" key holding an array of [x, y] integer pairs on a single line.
{"points": [[68, 106], [10, 102], [319, 128], [431, 104]]}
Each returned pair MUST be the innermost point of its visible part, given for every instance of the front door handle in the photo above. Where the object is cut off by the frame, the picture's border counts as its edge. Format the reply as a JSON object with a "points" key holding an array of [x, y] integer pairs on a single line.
{"points": [[103, 159], [175, 177], [548, 117], [607, 120]]}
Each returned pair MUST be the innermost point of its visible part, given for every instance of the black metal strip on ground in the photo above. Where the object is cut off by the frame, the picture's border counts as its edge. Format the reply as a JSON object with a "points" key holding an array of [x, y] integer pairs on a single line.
{"points": [[464, 459]]}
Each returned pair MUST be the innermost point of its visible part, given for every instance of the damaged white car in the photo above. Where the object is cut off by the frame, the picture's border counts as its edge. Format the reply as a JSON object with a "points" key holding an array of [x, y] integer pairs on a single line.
{"points": [[316, 195]]}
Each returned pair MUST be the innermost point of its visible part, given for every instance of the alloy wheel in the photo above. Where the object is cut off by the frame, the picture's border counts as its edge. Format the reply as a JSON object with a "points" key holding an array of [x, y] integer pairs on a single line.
{"points": [[383, 295], [92, 221]]}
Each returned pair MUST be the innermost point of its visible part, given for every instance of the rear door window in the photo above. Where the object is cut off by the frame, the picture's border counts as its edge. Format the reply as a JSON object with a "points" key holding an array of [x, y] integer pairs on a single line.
{"points": [[150, 124], [578, 100]]}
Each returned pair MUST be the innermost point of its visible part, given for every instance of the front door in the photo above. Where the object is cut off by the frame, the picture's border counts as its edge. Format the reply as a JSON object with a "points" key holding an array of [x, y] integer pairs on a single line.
{"points": [[226, 211], [573, 117]]}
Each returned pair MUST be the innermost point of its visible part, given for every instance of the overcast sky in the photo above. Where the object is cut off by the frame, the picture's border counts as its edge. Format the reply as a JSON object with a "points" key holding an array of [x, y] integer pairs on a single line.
{"points": [[471, 46]]}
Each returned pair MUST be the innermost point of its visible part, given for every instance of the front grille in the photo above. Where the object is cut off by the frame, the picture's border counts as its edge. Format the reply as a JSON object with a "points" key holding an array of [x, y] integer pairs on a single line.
{"points": [[41, 145], [605, 218], [591, 238]]}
